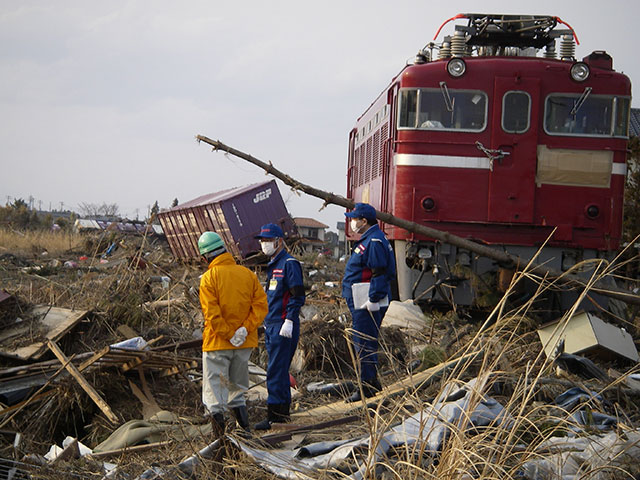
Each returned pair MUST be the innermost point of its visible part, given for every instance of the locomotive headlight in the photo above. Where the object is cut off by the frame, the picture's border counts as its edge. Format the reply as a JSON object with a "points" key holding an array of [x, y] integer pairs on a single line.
{"points": [[428, 203], [592, 211], [580, 71], [456, 67]]}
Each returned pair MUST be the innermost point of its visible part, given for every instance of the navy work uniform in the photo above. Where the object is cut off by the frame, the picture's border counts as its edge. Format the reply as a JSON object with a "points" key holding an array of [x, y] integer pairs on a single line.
{"points": [[285, 295], [372, 260]]}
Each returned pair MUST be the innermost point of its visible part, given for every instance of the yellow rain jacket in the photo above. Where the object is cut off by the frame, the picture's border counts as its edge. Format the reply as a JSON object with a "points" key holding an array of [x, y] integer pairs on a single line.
{"points": [[231, 297]]}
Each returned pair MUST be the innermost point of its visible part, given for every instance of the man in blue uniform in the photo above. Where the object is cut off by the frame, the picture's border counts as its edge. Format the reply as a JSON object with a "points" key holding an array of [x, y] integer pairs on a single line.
{"points": [[285, 294], [371, 265]]}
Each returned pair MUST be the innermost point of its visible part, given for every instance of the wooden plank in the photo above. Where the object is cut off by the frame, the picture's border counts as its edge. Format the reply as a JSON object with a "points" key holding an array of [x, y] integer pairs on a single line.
{"points": [[274, 438], [86, 386], [136, 362], [57, 321], [94, 358], [33, 368], [149, 405], [71, 452], [132, 449], [126, 331], [178, 368], [413, 382]]}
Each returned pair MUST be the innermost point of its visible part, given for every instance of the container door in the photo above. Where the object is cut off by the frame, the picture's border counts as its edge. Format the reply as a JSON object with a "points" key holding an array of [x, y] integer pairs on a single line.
{"points": [[513, 149]]}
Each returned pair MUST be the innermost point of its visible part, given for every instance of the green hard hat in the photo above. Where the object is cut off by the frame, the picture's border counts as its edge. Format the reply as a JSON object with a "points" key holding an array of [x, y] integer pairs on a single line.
{"points": [[209, 241]]}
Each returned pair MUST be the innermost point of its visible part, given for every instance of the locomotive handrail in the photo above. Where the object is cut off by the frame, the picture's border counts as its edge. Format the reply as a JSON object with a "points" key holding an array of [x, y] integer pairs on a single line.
{"points": [[505, 259]]}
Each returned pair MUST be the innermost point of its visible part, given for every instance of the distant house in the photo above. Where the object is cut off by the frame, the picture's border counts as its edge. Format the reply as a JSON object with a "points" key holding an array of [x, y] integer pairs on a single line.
{"points": [[87, 224], [312, 234]]}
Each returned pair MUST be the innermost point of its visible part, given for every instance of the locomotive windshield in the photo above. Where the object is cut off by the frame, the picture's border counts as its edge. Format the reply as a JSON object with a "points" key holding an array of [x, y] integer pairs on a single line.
{"points": [[443, 109], [588, 116]]}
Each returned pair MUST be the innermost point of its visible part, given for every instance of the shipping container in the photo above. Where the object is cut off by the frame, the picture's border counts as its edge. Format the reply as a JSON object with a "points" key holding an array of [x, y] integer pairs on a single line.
{"points": [[235, 214]]}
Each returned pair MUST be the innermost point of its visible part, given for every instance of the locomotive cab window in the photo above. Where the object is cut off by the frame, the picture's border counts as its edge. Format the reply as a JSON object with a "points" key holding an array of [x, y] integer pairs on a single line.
{"points": [[443, 109], [516, 112], [586, 115]]}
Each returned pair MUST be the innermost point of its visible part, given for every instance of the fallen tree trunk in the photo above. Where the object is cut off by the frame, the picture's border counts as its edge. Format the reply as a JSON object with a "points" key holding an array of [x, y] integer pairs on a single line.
{"points": [[505, 259]]}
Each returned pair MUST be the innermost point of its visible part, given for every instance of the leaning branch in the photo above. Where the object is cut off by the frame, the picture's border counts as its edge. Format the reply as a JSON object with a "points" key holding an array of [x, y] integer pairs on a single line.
{"points": [[503, 258]]}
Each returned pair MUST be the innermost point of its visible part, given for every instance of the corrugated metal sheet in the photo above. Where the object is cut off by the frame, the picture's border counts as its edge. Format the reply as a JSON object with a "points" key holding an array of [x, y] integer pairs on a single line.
{"points": [[235, 214]]}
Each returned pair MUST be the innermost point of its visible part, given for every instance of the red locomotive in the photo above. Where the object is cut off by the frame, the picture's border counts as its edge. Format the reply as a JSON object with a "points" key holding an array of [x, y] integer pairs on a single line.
{"points": [[500, 139]]}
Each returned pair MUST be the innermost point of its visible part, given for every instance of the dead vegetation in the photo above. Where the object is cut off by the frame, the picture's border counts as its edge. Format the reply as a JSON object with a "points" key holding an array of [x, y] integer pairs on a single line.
{"points": [[468, 394]]}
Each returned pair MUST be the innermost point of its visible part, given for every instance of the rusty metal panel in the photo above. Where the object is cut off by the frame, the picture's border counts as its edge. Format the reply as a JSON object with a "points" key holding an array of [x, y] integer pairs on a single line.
{"points": [[181, 253], [189, 236], [170, 234]]}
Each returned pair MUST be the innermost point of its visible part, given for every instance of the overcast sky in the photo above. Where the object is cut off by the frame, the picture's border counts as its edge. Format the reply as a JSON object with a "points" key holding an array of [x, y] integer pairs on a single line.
{"points": [[101, 101]]}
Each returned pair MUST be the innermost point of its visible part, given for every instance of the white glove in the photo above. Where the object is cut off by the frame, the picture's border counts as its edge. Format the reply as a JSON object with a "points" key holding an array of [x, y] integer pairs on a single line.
{"points": [[372, 306], [239, 337], [287, 329]]}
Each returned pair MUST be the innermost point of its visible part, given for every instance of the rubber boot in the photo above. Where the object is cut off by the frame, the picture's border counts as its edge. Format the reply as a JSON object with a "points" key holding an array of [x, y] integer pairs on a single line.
{"points": [[271, 418], [242, 418], [376, 386], [218, 423], [369, 389], [282, 413]]}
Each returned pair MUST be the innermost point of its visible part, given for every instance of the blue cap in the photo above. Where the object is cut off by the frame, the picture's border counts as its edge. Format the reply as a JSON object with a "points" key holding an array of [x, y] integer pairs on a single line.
{"points": [[362, 210], [270, 230]]}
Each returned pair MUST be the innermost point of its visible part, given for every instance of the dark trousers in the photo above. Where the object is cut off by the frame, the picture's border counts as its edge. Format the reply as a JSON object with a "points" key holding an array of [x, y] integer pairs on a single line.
{"points": [[366, 326], [280, 351]]}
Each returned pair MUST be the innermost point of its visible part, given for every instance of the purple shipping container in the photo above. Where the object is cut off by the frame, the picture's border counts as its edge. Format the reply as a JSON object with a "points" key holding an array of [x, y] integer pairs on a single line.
{"points": [[235, 214]]}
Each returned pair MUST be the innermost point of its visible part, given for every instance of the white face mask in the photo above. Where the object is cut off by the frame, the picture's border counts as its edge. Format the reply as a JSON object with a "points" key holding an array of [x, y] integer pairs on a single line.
{"points": [[268, 248], [354, 225]]}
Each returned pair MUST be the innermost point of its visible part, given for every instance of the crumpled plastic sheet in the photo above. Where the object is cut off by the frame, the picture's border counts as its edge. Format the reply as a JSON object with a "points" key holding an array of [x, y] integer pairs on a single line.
{"points": [[594, 457], [429, 426], [576, 396], [595, 420]]}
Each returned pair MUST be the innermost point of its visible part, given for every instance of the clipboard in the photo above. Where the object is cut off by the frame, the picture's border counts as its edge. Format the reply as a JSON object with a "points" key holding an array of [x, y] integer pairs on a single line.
{"points": [[360, 292]]}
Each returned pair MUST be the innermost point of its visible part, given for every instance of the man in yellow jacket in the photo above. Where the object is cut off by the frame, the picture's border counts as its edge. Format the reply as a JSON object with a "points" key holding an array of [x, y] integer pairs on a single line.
{"points": [[234, 305]]}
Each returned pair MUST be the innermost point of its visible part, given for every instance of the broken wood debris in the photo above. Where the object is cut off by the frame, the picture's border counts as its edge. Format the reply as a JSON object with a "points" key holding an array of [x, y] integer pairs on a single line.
{"points": [[86, 386], [52, 323], [109, 357]]}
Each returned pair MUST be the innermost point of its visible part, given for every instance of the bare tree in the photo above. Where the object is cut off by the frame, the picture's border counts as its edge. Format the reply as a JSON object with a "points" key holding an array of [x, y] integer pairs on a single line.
{"points": [[95, 210]]}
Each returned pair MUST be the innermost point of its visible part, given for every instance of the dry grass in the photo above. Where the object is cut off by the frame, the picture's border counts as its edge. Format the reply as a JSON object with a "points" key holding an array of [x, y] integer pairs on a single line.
{"points": [[501, 451], [513, 370], [37, 242]]}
